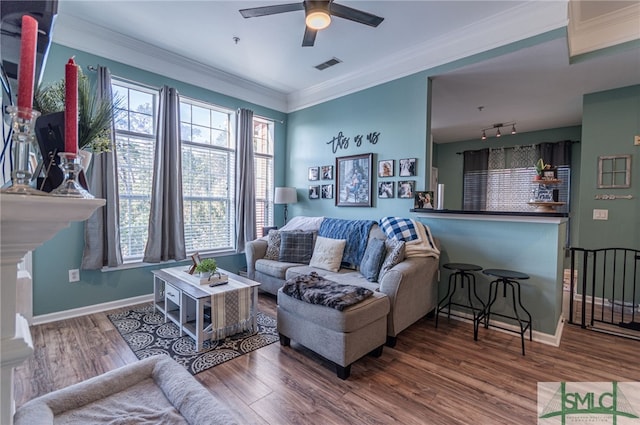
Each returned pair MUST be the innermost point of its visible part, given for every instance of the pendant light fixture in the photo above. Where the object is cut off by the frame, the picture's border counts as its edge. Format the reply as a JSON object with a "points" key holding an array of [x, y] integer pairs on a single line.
{"points": [[497, 127]]}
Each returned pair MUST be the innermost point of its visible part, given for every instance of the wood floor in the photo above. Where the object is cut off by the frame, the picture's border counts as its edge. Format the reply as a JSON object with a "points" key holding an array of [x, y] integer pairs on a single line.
{"points": [[432, 376]]}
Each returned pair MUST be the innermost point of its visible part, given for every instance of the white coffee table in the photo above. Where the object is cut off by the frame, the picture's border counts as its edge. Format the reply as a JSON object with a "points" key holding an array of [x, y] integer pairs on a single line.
{"points": [[183, 300]]}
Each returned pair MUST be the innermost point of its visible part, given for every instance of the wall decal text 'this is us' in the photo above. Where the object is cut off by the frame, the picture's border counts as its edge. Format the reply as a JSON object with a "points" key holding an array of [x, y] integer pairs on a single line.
{"points": [[342, 142]]}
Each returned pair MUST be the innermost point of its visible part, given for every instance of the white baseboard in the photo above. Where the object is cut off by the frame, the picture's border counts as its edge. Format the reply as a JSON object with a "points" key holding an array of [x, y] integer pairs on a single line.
{"points": [[90, 309], [537, 336]]}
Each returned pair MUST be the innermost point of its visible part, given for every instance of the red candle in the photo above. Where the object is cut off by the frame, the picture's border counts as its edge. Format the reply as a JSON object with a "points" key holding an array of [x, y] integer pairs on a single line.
{"points": [[71, 107], [26, 76]]}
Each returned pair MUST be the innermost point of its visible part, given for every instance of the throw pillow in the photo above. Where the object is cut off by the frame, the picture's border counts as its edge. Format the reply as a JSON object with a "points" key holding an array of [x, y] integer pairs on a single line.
{"points": [[372, 259], [327, 253], [395, 255], [273, 245], [296, 247]]}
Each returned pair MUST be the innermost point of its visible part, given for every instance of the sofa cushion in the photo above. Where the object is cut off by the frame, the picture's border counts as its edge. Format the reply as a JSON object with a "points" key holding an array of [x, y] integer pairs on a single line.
{"points": [[327, 253], [273, 245], [372, 259], [296, 247], [274, 268], [394, 255]]}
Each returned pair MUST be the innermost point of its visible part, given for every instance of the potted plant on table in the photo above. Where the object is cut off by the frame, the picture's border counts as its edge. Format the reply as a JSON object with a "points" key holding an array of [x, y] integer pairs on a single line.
{"points": [[208, 270]]}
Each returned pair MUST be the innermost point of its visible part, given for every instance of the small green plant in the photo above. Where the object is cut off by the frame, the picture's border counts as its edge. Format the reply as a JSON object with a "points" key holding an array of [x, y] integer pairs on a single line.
{"points": [[541, 166], [207, 266]]}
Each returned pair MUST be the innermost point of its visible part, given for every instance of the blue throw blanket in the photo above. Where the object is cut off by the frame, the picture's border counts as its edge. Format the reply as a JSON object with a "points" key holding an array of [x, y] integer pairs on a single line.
{"points": [[356, 233]]}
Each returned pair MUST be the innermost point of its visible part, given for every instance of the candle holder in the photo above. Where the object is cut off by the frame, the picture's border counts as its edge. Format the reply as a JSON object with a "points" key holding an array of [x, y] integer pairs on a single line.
{"points": [[70, 187], [23, 122]]}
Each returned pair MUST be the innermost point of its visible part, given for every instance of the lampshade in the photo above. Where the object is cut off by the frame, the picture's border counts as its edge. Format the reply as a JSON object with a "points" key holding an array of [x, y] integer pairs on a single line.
{"points": [[285, 195], [318, 19]]}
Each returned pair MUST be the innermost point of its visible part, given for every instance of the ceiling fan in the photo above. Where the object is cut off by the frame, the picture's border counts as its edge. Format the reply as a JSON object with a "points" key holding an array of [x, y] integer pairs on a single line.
{"points": [[317, 15]]}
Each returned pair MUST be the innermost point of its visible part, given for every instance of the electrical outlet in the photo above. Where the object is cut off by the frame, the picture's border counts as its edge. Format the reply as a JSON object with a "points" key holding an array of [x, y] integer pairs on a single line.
{"points": [[600, 214], [74, 275]]}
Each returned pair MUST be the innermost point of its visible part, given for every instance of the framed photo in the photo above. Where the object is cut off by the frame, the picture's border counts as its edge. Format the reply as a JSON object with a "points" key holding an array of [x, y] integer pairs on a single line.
{"points": [[386, 190], [353, 180], [314, 192], [423, 200], [386, 167], [407, 167], [327, 191], [405, 189], [327, 172], [195, 258], [314, 173]]}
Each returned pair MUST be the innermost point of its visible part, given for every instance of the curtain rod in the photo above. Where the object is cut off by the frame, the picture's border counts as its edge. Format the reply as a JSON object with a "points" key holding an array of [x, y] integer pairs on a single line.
{"points": [[511, 147]]}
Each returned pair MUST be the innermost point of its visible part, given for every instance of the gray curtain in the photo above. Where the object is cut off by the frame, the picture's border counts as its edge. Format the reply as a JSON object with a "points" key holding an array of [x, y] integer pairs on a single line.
{"points": [[245, 183], [474, 189], [101, 230], [166, 221]]}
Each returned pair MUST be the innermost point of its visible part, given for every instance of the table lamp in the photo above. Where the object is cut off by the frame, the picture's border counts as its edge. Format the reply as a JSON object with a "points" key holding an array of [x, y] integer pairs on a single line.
{"points": [[285, 195]]}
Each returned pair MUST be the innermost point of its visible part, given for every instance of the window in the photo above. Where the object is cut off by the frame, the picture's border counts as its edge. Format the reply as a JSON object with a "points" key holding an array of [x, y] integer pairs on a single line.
{"points": [[491, 185], [208, 171], [135, 140], [263, 163]]}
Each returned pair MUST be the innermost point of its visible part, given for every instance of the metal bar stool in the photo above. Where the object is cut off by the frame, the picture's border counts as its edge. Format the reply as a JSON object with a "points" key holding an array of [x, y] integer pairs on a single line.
{"points": [[463, 272], [508, 278]]}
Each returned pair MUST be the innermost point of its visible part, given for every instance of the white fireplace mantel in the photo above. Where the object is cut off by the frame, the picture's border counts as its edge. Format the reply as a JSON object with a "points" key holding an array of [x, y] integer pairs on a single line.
{"points": [[26, 223]]}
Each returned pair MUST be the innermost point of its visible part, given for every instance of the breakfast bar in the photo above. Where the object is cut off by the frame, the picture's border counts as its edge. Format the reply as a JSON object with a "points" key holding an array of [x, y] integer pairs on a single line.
{"points": [[530, 242]]}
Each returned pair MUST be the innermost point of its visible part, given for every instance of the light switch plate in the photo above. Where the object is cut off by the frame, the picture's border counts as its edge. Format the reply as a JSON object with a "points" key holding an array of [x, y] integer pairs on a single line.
{"points": [[636, 140], [600, 214]]}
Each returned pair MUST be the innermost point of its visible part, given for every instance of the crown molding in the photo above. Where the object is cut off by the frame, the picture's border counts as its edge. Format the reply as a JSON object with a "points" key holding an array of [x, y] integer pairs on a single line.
{"points": [[600, 32], [81, 35], [514, 24]]}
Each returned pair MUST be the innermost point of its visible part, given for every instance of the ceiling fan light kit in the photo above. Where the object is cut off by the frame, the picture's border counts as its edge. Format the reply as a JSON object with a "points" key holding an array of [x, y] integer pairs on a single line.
{"points": [[317, 15]]}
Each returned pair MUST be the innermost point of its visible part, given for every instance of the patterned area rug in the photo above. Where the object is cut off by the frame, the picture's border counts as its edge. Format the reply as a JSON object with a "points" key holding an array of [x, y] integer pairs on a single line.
{"points": [[145, 332]]}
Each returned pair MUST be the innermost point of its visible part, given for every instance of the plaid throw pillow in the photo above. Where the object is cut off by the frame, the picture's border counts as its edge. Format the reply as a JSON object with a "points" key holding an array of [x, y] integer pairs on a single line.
{"points": [[399, 228], [296, 247]]}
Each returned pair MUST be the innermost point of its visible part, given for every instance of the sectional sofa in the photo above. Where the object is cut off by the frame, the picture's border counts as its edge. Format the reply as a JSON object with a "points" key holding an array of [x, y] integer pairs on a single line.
{"points": [[409, 280]]}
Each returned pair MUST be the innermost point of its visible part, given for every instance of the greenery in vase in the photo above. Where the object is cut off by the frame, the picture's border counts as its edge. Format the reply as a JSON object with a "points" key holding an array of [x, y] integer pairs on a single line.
{"points": [[94, 115], [208, 265]]}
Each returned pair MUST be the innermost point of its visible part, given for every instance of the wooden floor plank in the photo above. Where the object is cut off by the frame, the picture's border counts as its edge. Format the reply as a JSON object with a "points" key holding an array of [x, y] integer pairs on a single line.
{"points": [[431, 376]]}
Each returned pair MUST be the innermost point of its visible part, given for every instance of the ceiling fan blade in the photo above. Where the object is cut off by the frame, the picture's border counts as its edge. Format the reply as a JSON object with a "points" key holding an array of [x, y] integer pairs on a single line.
{"points": [[309, 37], [254, 12], [355, 15]]}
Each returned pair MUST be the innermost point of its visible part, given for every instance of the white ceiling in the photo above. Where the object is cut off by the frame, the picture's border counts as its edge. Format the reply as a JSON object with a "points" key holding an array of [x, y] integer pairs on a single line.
{"points": [[194, 41]]}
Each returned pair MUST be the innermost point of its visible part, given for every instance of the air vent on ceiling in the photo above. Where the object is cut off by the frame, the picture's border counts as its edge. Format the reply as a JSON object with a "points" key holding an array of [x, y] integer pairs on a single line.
{"points": [[327, 64]]}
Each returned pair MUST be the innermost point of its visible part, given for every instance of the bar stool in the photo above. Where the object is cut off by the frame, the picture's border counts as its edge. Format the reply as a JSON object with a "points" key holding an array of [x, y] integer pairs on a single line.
{"points": [[511, 279], [463, 272]]}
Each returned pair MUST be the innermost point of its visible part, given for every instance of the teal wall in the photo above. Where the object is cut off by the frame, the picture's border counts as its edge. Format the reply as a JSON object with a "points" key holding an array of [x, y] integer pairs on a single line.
{"points": [[611, 119], [52, 291], [397, 110]]}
